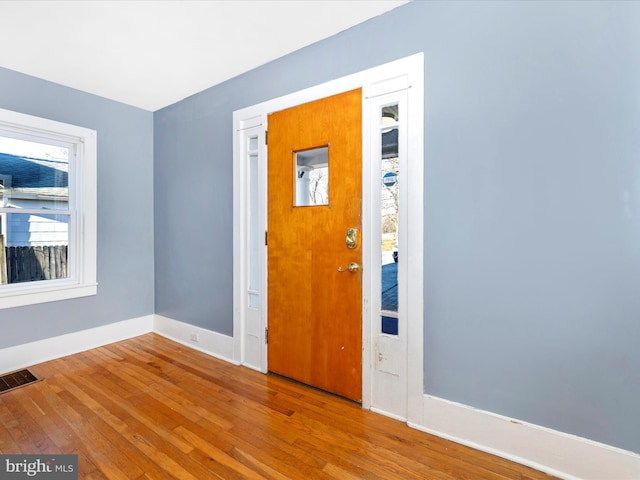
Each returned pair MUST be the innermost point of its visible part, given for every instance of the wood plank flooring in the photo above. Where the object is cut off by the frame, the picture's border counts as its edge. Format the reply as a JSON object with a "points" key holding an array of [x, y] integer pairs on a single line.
{"points": [[149, 408]]}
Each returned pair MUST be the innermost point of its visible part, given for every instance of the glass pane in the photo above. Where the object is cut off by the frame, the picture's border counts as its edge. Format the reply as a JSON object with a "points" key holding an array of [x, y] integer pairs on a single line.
{"points": [[36, 246], [254, 300], [389, 222], [389, 115], [33, 175], [254, 234], [389, 190], [312, 177], [389, 325]]}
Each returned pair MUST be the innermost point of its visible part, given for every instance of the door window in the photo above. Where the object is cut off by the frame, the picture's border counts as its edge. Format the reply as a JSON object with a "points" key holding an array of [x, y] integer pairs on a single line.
{"points": [[312, 177]]}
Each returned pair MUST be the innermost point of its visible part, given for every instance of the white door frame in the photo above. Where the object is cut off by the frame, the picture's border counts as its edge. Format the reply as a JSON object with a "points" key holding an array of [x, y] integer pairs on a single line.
{"points": [[404, 80]]}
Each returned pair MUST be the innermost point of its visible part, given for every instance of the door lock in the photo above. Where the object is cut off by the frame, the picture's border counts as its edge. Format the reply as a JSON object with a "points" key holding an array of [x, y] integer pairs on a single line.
{"points": [[351, 238]]}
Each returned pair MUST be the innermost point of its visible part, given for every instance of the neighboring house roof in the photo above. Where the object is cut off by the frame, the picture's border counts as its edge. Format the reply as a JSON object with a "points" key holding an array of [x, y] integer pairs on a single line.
{"points": [[35, 176]]}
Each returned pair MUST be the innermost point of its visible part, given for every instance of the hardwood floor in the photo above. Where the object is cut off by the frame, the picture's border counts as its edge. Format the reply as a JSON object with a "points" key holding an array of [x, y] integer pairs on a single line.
{"points": [[149, 408]]}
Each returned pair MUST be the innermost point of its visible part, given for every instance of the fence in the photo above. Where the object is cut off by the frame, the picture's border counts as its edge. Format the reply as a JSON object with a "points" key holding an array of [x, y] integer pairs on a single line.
{"points": [[27, 264]]}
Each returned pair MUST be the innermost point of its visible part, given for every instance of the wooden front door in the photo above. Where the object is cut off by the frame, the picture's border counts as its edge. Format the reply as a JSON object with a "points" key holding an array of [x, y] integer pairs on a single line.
{"points": [[314, 197]]}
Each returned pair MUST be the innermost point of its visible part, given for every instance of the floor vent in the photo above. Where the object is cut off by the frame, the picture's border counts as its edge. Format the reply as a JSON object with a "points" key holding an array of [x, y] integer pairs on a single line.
{"points": [[10, 381]]}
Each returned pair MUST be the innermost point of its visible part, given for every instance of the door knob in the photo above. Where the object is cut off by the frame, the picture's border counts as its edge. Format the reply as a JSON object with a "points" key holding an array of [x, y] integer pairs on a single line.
{"points": [[353, 267]]}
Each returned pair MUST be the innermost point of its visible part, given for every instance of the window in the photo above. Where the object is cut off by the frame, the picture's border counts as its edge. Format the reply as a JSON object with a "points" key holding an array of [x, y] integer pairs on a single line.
{"points": [[47, 210], [253, 155], [389, 215], [312, 177]]}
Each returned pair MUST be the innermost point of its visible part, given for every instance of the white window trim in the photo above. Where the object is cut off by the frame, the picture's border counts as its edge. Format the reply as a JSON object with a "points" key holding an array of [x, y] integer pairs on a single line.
{"points": [[251, 351], [83, 217]]}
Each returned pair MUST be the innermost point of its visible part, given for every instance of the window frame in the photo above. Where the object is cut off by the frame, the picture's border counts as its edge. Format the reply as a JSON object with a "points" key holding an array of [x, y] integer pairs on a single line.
{"points": [[82, 210]]}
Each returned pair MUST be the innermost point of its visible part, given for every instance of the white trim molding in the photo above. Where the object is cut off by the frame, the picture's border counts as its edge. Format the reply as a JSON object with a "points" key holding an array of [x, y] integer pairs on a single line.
{"points": [[81, 209], [28, 354], [556, 453], [394, 394], [32, 353], [205, 341]]}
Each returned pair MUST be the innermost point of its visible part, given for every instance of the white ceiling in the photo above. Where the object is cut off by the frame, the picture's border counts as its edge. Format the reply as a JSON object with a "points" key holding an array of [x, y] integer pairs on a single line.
{"points": [[151, 53]]}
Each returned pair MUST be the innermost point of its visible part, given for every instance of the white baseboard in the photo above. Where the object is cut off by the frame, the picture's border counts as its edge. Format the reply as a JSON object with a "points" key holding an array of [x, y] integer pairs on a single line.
{"points": [[556, 453], [559, 454], [201, 339], [388, 414], [28, 354]]}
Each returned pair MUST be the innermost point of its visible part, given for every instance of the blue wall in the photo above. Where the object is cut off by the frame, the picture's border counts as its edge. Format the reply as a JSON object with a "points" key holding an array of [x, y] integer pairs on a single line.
{"points": [[125, 210], [533, 213], [532, 198]]}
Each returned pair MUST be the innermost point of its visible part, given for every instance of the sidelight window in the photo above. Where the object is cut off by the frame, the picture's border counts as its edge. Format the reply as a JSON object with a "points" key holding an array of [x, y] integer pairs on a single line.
{"points": [[389, 215]]}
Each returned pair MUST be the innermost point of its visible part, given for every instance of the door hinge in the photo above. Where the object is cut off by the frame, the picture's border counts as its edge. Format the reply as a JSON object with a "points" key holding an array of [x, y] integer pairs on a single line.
{"points": [[266, 238], [266, 137], [266, 335]]}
